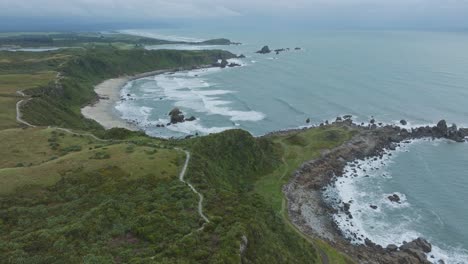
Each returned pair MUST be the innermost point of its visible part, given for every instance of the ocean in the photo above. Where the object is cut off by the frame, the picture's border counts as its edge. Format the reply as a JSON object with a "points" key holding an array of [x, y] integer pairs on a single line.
{"points": [[420, 77]]}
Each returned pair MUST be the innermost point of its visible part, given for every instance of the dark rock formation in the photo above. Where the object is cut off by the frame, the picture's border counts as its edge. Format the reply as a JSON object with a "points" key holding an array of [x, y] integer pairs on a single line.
{"points": [[403, 122], [392, 247], [176, 116], [192, 118], [297, 48], [264, 50], [224, 63], [442, 127], [241, 56], [221, 64], [232, 64], [394, 198], [308, 120], [279, 50], [419, 244], [373, 207]]}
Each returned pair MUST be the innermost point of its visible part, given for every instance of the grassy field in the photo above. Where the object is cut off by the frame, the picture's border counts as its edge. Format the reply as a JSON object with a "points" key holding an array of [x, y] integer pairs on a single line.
{"points": [[298, 148], [41, 157], [10, 83], [19, 72], [8, 112]]}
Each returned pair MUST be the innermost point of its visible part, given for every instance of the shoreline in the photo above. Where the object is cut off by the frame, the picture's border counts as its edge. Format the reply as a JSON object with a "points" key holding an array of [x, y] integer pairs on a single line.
{"points": [[310, 212], [108, 95]]}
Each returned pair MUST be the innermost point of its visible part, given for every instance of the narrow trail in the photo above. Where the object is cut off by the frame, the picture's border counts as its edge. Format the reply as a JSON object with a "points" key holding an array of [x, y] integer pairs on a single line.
{"points": [[86, 135], [200, 201], [181, 175], [19, 118]]}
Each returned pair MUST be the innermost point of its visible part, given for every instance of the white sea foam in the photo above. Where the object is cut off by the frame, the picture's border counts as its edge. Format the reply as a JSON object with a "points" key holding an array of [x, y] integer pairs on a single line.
{"points": [[188, 90], [195, 126], [192, 92], [370, 223], [449, 256]]}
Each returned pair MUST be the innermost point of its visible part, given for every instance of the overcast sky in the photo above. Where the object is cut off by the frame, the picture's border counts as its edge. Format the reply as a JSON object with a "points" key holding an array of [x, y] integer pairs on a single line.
{"points": [[433, 13]]}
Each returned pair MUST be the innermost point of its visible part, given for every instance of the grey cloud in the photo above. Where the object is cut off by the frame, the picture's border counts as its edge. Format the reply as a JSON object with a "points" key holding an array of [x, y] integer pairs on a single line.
{"points": [[431, 11]]}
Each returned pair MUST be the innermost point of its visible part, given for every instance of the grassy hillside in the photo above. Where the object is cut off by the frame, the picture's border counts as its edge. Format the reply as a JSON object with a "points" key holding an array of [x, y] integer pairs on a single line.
{"points": [[60, 105], [72, 198], [78, 200], [58, 98]]}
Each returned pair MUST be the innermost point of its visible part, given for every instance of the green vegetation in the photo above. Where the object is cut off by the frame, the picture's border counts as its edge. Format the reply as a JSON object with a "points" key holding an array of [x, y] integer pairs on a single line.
{"points": [[297, 148], [52, 39], [8, 112], [60, 105], [71, 198]]}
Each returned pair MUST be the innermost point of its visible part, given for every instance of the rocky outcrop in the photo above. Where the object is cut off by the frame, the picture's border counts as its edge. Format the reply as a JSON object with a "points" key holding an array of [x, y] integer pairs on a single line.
{"points": [[394, 198], [419, 244], [277, 51], [403, 122], [224, 63], [177, 116], [313, 216], [264, 50]]}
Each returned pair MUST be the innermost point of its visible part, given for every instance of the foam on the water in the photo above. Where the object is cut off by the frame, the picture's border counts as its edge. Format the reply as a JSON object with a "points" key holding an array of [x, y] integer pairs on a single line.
{"points": [[360, 187], [190, 92]]}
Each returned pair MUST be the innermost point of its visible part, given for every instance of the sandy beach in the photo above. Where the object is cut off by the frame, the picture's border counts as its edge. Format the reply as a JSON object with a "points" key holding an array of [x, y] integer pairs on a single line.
{"points": [[108, 93], [103, 110]]}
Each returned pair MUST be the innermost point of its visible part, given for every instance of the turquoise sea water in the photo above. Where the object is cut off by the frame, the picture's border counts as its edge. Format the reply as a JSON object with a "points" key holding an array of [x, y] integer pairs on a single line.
{"points": [[421, 77]]}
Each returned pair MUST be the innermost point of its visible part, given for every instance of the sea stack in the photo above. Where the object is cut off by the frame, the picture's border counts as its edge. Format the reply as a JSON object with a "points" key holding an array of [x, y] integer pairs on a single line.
{"points": [[264, 50]]}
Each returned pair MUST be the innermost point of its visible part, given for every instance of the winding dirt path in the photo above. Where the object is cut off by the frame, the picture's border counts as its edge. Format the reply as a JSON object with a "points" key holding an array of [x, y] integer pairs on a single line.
{"points": [[200, 201], [181, 175], [19, 118]]}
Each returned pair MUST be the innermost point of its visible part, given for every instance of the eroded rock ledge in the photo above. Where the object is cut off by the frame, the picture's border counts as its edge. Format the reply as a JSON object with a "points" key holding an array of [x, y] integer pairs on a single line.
{"points": [[309, 212]]}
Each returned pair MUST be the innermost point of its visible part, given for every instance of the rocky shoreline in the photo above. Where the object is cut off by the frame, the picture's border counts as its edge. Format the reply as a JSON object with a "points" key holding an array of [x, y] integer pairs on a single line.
{"points": [[311, 214]]}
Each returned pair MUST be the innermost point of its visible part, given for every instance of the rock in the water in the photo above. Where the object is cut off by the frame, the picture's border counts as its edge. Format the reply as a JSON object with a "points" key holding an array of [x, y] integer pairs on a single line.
{"points": [[176, 116], [232, 64], [192, 118], [241, 56], [373, 207], [442, 127], [221, 64], [403, 122], [308, 120], [394, 198], [347, 116], [297, 48], [224, 63], [264, 50], [372, 121]]}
